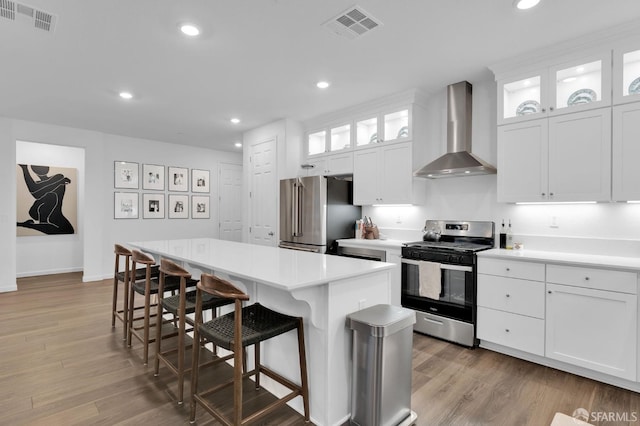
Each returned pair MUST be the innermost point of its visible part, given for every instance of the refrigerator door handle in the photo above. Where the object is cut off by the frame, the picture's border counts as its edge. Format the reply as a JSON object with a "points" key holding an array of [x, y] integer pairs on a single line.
{"points": [[296, 210]]}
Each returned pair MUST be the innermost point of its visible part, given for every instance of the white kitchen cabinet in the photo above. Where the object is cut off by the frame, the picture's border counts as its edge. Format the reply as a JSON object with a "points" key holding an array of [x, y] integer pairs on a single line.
{"points": [[626, 73], [563, 158], [383, 175], [626, 152], [393, 125], [511, 304], [578, 85], [330, 139], [593, 329], [329, 165]]}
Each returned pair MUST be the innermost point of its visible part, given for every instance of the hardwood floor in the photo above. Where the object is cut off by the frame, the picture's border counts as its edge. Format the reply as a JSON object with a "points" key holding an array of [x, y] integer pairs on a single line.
{"points": [[63, 364]]}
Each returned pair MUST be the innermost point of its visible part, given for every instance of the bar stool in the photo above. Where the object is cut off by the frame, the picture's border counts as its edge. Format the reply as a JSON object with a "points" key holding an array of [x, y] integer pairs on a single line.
{"points": [[235, 331], [145, 288], [124, 278], [179, 305]]}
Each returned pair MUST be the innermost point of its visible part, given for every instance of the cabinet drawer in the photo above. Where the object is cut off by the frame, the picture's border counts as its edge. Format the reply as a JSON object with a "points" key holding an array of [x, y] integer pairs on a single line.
{"points": [[515, 331], [599, 279], [511, 268], [513, 295]]}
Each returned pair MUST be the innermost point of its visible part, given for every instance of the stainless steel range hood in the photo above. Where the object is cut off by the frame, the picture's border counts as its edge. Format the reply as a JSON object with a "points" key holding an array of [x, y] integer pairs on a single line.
{"points": [[458, 161]]}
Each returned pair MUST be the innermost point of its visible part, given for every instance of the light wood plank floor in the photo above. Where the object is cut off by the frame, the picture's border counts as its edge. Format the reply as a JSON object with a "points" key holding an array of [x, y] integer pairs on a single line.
{"points": [[63, 364]]}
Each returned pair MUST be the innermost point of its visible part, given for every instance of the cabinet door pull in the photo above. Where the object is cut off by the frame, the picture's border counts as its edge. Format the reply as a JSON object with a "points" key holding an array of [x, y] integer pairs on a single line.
{"points": [[549, 291], [551, 194], [508, 295], [544, 110], [550, 108], [506, 329], [543, 194], [586, 278], [508, 269]]}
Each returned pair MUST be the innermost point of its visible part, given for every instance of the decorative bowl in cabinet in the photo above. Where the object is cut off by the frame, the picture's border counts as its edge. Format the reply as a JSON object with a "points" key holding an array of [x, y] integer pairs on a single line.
{"points": [[528, 107], [582, 96]]}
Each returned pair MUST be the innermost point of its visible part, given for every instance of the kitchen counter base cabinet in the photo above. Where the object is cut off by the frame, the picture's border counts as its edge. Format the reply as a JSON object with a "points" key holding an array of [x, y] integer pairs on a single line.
{"points": [[593, 329], [576, 317], [323, 289], [516, 331]]}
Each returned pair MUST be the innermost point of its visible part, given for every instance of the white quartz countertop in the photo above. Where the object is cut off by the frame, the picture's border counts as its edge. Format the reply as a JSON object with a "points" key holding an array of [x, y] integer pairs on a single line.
{"points": [[381, 244], [276, 267], [586, 260]]}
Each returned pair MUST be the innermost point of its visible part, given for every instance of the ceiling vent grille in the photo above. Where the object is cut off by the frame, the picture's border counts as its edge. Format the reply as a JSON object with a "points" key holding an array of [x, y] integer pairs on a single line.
{"points": [[27, 15], [353, 22]]}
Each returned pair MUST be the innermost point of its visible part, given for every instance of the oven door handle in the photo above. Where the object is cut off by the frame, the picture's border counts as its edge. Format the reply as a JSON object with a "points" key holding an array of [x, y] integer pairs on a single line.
{"points": [[442, 265]]}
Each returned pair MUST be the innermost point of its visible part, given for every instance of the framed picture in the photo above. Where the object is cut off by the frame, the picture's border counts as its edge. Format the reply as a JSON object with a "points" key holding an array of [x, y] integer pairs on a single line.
{"points": [[199, 180], [200, 206], [178, 179], [153, 177], [178, 206], [153, 206], [125, 175], [125, 205]]}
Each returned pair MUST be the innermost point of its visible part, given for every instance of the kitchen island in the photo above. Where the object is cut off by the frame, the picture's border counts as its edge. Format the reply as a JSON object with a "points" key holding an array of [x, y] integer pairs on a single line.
{"points": [[323, 289]]}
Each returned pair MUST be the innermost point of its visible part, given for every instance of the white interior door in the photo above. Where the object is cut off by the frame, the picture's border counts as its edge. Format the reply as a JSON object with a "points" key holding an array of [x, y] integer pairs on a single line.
{"points": [[230, 205], [263, 195]]}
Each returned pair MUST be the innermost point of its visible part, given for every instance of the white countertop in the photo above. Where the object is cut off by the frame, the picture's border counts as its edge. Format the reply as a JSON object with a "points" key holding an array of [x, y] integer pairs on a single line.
{"points": [[587, 260], [381, 244], [277, 267]]}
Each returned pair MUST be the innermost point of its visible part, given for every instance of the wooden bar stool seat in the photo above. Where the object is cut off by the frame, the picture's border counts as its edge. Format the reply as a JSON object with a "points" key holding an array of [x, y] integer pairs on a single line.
{"points": [[235, 331], [179, 305], [148, 287], [123, 255]]}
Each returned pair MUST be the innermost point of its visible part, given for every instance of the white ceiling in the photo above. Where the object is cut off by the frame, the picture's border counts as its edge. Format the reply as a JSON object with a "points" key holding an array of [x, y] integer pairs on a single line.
{"points": [[259, 59]]}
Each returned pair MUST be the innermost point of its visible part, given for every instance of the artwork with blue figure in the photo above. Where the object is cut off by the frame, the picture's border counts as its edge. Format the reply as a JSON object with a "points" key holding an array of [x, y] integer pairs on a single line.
{"points": [[42, 205]]}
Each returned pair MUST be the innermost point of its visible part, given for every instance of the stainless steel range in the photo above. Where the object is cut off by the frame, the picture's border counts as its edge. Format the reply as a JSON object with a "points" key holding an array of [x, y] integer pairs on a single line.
{"points": [[439, 276]]}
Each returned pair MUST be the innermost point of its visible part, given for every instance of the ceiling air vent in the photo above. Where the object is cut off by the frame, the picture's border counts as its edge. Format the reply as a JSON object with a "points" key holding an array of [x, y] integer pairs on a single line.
{"points": [[27, 15], [352, 23]]}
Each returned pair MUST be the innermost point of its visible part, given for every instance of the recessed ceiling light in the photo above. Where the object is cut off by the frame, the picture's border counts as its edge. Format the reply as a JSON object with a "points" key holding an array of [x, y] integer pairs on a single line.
{"points": [[238, 145], [322, 84], [190, 30], [235, 120], [525, 4], [126, 95]]}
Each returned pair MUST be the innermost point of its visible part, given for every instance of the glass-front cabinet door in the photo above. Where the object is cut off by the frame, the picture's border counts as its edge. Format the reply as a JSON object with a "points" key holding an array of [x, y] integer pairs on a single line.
{"points": [[366, 131], [521, 98], [396, 125], [580, 85], [317, 143], [340, 138], [626, 74]]}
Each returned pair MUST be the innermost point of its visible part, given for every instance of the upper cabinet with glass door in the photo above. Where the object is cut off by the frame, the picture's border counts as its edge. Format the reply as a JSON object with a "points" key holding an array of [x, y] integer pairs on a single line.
{"points": [[329, 140], [626, 74], [570, 87], [384, 127]]}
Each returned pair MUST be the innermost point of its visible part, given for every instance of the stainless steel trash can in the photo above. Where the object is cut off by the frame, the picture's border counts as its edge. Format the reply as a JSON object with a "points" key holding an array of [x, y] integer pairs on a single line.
{"points": [[381, 373]]}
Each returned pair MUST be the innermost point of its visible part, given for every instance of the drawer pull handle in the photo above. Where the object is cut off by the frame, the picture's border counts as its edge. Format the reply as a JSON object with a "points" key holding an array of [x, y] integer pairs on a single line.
{"points": [[506, 329], [549, 291], [508, 269], [508, 295], [432, 321], [586, 278]]}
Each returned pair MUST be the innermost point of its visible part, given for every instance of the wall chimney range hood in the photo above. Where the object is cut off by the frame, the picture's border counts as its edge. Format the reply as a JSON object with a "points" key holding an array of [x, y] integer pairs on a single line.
{"points": [[458, 161]]}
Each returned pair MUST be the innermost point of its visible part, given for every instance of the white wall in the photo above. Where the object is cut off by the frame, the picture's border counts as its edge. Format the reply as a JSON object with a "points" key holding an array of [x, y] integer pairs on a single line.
{"points": [[101, 231], [474, 197], [51, 254]]}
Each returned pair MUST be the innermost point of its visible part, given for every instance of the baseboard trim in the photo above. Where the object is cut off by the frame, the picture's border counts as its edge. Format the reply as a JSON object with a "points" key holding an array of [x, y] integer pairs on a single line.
{"points": [[47, 272], [92, 278], [7, 288]]}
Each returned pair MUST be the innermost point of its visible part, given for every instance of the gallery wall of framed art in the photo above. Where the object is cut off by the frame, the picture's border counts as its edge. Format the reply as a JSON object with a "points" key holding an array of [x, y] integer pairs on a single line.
{"points": [[171, 184]]}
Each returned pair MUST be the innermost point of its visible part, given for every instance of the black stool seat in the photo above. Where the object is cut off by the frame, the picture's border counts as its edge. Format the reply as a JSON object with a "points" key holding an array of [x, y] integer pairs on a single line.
{"points": [[172, 303], [141, 273], [170, 284], [258, 324]]}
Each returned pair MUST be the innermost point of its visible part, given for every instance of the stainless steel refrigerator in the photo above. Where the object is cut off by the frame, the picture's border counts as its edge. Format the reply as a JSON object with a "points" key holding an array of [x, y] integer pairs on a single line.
{"points": [[315, 211]]}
